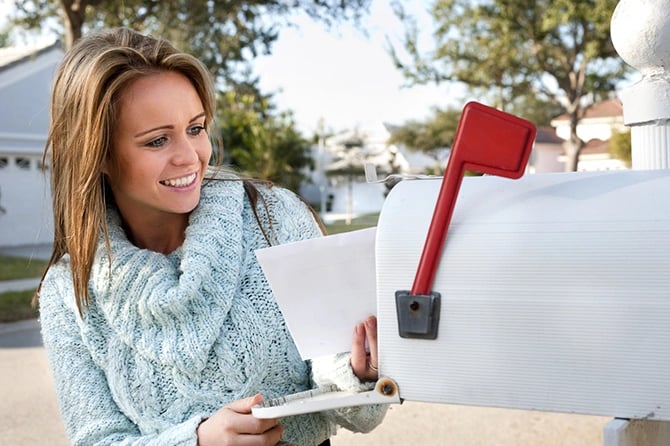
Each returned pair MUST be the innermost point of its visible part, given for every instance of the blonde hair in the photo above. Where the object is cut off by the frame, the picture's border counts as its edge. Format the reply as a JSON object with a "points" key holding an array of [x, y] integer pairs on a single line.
{"points": [[84, 102]]}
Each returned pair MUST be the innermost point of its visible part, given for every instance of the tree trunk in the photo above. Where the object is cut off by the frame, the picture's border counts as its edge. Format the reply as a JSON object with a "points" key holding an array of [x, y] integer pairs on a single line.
{"points": [[573, 146], [571, 157], [74, 15]]}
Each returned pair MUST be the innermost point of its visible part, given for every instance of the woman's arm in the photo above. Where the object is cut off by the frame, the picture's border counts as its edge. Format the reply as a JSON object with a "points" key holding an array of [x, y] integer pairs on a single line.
{"points": [[90, 415], [337, 370]]}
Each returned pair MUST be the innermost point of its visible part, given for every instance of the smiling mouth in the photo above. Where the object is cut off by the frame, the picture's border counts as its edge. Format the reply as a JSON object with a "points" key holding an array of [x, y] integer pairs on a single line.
{"points": [[180, 182]]}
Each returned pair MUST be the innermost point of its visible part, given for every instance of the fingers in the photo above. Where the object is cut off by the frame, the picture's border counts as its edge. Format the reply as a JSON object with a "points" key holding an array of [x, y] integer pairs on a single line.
{"points": [[234, 424], [241, 421], [364, 364], [358, 353], [245, 405], [371, 336]]}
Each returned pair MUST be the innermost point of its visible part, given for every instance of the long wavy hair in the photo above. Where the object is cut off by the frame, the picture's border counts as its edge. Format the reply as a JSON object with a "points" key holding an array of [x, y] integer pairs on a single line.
{"points": [[84, 111]]}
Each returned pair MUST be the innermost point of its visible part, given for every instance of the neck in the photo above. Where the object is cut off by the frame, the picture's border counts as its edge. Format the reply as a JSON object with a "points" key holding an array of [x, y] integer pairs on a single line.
{"points": [[164, 236]]}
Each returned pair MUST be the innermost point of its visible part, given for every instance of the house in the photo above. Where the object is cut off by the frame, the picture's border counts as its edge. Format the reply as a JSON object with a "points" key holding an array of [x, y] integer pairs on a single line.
{"points": [[25, 200], [595, 129], [338, 184]]}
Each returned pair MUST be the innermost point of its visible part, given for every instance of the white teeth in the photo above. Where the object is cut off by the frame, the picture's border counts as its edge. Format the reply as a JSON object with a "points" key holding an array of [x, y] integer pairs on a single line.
{"points": [[180, 182]]}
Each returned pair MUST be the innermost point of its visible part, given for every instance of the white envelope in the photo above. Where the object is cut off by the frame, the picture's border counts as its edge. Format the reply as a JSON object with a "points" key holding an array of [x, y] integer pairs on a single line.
{"points": [[323, 286]]}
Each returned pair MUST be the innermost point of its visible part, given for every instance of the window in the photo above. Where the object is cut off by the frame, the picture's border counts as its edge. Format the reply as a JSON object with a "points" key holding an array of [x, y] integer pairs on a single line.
{"points": [[23, 163]]}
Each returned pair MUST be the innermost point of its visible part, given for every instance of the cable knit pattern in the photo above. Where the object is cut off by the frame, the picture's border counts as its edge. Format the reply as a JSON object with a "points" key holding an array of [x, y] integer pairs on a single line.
{"points": [[168, 340]]}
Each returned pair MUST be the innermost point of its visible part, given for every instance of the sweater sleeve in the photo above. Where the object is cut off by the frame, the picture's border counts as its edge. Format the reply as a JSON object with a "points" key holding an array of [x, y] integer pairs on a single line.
{"points": [[89, 413], [336, 369]]}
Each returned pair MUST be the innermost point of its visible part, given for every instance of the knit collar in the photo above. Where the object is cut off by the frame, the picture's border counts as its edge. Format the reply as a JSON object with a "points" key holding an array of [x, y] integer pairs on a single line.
{"points": [[170, 309]]}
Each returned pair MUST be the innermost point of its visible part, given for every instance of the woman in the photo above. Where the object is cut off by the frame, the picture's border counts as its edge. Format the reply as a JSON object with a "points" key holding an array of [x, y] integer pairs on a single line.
{"points": [[159, 324]]}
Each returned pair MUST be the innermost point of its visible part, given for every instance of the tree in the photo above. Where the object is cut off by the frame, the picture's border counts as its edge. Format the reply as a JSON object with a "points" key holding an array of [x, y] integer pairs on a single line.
{"points": [[4, 38], [540, 111], [224, 34], [620, 146], [555, 49], [436, 132], [260, 144]]}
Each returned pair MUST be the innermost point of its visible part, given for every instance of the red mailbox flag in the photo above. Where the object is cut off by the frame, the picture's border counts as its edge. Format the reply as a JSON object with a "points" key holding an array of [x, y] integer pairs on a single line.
{"points": [[487, 141]]}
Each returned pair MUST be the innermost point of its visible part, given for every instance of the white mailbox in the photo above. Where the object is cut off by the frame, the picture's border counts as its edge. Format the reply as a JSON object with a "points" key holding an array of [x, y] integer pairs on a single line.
{"points": [[554, 293]]}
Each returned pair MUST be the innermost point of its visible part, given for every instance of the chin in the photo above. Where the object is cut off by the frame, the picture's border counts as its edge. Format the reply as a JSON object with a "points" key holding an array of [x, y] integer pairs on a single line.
{"points": [[186, 207]]}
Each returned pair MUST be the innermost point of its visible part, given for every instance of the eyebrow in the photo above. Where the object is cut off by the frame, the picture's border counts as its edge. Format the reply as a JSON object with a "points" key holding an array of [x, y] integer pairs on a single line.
{"points": [[144, 132]]}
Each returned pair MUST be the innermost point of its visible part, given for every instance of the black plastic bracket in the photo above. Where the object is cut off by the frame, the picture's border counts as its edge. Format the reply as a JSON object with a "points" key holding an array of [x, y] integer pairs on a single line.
{"points": [[418, 315]]}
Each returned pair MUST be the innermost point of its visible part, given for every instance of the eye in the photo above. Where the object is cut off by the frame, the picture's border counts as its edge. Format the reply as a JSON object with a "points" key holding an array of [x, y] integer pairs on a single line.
{"points": [[158, 142], [196, 130]]}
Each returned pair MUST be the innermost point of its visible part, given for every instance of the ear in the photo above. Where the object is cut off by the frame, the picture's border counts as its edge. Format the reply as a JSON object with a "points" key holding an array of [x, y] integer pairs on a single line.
{"points": [[105, 167]]}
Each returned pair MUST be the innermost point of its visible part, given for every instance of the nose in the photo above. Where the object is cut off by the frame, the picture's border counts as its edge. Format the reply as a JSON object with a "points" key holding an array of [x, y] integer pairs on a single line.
{"points": [[185, 152]]}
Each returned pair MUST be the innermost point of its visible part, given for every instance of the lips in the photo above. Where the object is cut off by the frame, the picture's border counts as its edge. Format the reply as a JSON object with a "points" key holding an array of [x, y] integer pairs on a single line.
{"points": [[180, 182]]}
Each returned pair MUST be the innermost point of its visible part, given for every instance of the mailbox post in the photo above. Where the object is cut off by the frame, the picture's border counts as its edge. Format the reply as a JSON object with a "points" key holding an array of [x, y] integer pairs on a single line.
{"points": [[554, 288], [639, 33]]}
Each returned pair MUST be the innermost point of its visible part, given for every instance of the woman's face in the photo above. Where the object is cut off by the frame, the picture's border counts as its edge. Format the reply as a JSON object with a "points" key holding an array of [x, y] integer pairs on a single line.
{"points": [[160, 150]]}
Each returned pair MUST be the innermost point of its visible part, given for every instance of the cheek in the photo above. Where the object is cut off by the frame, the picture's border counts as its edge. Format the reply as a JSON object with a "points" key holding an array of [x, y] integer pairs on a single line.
{"points": [[205, 152], [112, 171]]}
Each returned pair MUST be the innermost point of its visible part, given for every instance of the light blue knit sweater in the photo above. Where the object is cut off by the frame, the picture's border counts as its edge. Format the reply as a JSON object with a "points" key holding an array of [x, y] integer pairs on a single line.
{"points": [[168, 340]]}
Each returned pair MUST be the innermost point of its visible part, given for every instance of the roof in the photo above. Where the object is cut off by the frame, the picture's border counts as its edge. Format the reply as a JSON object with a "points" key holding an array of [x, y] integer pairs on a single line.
{"points": [[12, 56], [547, 135], [609, 108], [26, 75], [595, 145]]}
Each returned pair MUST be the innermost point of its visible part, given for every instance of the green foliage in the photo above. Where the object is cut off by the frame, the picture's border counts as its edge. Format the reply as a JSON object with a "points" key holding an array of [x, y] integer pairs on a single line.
{"points": [[620, 146], [558, 49], [262, 144], [538, 110], [5, 40], [224, 34], [436, 132]]}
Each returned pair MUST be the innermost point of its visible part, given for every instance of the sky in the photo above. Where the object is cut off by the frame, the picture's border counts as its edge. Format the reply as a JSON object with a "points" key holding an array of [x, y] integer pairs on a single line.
{"points": [[345, 76]]}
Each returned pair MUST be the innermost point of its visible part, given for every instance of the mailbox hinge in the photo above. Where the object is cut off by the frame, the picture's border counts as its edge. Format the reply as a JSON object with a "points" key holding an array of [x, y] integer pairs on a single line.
{"points": [[418, 314]]}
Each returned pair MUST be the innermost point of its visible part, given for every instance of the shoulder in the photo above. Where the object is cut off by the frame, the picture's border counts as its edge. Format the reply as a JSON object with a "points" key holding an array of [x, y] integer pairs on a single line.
{"points": [[56, 290], [291, 217], [58, 277]]}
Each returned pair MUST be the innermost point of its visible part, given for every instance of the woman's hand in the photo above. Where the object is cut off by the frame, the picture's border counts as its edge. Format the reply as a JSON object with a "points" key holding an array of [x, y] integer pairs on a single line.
{"points": [[234, 425], [365, 364]]}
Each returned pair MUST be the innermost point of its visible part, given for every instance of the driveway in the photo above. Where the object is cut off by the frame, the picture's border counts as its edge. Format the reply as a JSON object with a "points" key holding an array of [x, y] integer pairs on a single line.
{"points": [[29, 412], [28, 408]]}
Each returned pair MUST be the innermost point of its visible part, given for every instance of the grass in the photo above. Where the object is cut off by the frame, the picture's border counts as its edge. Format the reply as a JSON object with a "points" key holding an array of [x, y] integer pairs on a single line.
{"points": [[16, 305], [362, 222], [12, 268]]}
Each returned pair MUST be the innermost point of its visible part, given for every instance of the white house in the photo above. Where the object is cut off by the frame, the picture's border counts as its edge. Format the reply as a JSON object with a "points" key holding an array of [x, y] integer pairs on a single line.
{"points": [[595, 128], [25, 204], [341, 195]]}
